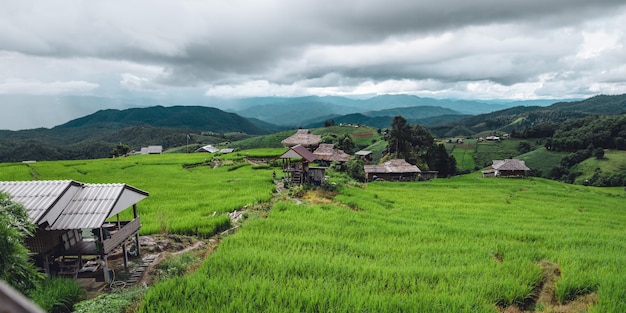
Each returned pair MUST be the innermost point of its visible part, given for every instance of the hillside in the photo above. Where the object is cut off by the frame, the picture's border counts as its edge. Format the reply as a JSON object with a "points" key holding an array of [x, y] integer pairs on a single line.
{"points": [[95, 135], [521, 117]]}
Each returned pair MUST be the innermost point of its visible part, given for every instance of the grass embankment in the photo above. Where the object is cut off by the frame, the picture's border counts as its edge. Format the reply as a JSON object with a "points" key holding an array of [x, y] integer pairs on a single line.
{"points": [[187, 195], [465, 244], [463, 154], [614, 161]]}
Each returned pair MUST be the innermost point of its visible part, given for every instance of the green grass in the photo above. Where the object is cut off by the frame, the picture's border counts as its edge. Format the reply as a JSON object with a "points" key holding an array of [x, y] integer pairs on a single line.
{"points": [[614, 161], [463, 153], [449, 245], [543, 160], [189, 201]]}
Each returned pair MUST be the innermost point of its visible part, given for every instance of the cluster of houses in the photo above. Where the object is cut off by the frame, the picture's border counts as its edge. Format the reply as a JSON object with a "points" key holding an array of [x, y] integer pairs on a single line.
{"points": [[305, 147]]}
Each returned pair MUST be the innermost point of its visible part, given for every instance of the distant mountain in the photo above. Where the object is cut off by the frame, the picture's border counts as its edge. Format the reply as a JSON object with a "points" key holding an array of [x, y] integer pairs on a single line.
{"points": [[423, 115], [94, 135], [520, 117], [299, 111], [185, 117]]}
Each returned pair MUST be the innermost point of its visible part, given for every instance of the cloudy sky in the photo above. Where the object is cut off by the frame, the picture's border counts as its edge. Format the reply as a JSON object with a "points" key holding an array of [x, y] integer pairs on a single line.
{"points": [[194, 51]]}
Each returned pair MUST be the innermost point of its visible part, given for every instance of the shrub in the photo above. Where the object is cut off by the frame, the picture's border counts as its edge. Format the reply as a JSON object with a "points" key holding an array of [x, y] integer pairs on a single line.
{"points": [[57, 295], [111, 303], [176, 266]]}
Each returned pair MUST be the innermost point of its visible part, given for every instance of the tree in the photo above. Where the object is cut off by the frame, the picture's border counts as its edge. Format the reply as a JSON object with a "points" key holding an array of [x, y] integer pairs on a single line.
{"points": [[399, 138], [354, 169], [346, 143], [599, 153], [15, 266]]}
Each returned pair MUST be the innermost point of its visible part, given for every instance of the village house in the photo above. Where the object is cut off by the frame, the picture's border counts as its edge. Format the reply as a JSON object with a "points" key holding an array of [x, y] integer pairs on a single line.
{"points": [[326, 154], [296, 166], [207, 148], [77, 220], [303, 137], [366, 156], [151, 150], [507, 168], [392, 170]]}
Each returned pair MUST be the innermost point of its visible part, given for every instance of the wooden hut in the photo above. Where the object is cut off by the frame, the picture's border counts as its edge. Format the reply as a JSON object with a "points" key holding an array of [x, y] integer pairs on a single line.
{"points": [[76, 219], [392, 170], [326, 154], [296, 162], [507, 168], [303, 137], [365, 155]]}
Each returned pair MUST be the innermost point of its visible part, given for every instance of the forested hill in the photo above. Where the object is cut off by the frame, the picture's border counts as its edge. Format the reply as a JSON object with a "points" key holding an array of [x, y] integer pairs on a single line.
{"points": [[95, 135], [185, 117], [521, 117]]}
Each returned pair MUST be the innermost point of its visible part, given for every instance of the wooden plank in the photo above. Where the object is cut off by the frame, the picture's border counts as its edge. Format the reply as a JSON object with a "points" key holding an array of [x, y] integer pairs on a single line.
{"points": [[118, 238]]}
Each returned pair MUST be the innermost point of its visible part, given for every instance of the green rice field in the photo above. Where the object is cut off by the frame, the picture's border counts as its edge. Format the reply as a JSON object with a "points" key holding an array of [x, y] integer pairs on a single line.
{"points": [[187, 194], [465, 244]]}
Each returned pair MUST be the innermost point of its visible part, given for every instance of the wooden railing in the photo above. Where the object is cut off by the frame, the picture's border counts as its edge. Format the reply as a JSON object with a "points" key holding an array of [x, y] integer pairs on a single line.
{"points": [[121, 235]]}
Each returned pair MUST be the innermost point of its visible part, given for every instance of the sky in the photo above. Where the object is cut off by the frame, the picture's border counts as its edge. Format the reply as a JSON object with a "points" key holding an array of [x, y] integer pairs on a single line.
{"points": [[189, 52]]}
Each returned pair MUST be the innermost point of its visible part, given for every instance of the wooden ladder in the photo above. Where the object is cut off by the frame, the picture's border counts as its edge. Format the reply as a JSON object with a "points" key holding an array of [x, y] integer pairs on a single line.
{"points": [[68, 267]]}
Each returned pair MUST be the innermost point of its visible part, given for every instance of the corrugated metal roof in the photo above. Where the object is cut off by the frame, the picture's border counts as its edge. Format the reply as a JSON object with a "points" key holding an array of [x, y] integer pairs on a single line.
{"points": [[392, 166], [88, 207], [36, 196]]}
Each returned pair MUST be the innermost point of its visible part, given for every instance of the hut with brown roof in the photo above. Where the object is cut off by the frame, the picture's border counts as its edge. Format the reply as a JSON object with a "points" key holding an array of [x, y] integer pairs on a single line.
{"points": [[303, 137], [392, 170], [326, 153], [296, 162], [507, 168]]}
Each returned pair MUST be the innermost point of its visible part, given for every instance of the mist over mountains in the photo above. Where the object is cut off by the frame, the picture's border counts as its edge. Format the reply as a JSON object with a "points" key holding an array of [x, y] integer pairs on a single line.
{"points": [[20, 112]]}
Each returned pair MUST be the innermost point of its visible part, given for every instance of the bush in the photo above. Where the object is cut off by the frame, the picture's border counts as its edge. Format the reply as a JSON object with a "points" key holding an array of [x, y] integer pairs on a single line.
{"points": [[176, 266], [111, 303], [57, 295]]}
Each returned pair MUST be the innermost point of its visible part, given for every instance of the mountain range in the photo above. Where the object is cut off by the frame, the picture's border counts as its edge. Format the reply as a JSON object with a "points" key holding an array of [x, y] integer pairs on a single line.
{"points": [[94, 135]]}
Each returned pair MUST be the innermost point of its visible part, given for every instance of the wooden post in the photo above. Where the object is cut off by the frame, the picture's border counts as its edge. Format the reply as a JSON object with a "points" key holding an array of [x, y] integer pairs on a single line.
{"points": [[123, 245], [137, 233]]}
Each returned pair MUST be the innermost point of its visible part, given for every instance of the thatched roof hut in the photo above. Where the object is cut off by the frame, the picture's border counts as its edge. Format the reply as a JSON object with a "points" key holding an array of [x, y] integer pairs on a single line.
{"points": [[394, 170], [326, 152], [302, 137]]}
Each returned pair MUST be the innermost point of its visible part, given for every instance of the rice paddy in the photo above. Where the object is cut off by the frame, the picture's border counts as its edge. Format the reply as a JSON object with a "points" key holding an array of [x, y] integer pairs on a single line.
{"points": [[465, 244]]}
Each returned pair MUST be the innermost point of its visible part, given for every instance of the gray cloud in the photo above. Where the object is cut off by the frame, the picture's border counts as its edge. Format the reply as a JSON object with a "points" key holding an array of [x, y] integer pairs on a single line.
{"points": [[528, 48]]}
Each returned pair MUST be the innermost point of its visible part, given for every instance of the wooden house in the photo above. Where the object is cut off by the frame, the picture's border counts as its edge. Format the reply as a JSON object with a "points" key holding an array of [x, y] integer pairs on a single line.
{"points": [[303, 137], [507, 168], [365, 155], [75, 220], [392, 170], [296, 162], [326, 154]]}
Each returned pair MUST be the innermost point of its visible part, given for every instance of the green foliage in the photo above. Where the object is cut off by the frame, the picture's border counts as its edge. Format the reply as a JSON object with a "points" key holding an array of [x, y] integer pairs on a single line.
{"points": [[57, 295], [15, 266], [354, 169], [175, 266], [117, 302]]}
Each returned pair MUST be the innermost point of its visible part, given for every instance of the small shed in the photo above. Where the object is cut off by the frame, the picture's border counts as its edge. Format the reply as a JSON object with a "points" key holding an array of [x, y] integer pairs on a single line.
{"points": [[326, 153], [392, 170], [302, 137], [152, 150], [365, 155], [207, 148], [76, 219], [507, 168]]}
